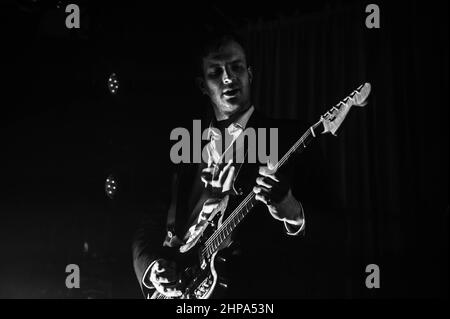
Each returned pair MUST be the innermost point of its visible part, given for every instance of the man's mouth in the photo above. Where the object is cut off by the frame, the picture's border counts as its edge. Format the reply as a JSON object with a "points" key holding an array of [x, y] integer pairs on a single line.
{"points": [[231, 92]]}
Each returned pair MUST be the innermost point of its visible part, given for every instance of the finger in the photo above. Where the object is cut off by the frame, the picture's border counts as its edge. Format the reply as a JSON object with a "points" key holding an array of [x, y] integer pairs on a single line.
{"points": [[154, 278], [209, 207], [224, 173], [264, 181], [171, 287], [172, 292], [159, 267], [205, 180], [170, 274], [165, 266], [263, 194], [228, 183], [168, 277], [260, 197], [261, 190], [208, 169], [168, 282], [271, 166], [208, 175], [156, 275], [264, 171], [168, 292], [210, 157], [213, 200], [162, 279]]}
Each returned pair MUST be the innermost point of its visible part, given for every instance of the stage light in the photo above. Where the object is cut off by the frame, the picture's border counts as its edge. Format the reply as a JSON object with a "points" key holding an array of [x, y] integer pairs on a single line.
{"points": [[111, 186], [113, 83]]}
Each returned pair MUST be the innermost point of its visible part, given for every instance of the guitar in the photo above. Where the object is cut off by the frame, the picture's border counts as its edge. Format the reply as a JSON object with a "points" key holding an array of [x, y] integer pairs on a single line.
{"points": [[199, 258]]}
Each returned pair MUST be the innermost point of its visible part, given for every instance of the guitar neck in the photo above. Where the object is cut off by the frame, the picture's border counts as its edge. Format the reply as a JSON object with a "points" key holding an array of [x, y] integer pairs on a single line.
{"points": [[239, 213]]}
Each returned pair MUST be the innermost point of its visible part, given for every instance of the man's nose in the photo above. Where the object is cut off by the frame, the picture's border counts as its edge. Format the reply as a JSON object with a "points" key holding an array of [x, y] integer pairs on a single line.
{"points": [[227, 76]]}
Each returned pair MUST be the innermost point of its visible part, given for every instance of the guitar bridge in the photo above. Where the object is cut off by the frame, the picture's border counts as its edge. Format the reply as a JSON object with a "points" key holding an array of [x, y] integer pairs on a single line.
{"points": [[203, 288]]}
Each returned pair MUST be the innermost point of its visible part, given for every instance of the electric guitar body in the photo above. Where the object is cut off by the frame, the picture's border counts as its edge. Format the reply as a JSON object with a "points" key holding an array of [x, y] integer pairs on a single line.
{"points": [[202, 273]]}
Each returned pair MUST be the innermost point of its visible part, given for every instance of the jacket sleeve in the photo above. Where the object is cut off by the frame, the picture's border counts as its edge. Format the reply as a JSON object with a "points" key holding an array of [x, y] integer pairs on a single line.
{"points": [[149, 241], [147, 245]]}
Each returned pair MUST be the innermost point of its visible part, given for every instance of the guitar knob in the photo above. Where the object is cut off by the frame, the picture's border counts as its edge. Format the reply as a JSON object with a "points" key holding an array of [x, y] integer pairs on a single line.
{"points": [[221, 259], [222, 281]]}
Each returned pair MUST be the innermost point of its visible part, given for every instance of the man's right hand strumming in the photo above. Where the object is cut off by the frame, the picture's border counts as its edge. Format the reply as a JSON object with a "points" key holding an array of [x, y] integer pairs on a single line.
{"points": [[165, 278]]}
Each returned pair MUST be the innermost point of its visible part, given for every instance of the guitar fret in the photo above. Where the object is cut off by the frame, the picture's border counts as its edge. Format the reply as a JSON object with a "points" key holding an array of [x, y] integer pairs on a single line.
{"points": [[227, 230]]}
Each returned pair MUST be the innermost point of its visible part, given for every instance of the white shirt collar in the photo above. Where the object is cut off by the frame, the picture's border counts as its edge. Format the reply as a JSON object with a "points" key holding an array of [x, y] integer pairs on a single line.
{"points": [[243, 119], [239, 124]]}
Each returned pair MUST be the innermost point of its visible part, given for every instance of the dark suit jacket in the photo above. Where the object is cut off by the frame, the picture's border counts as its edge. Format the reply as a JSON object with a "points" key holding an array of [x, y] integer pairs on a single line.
{"points": [[265, 260]]}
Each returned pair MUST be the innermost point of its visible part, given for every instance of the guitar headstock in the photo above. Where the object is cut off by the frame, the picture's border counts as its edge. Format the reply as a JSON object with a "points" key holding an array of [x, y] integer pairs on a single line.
{"points": [[333, 119]]}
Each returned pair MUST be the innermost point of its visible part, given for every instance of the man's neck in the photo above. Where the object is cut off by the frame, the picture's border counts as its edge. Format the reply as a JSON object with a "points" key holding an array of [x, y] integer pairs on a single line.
{"points": [[239, 120], [223, 116]]}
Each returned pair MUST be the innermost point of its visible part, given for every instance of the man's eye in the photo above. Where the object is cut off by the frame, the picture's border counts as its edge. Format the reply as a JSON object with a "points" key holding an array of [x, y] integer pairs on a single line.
{"points": [[215, 72], [237, 67]]}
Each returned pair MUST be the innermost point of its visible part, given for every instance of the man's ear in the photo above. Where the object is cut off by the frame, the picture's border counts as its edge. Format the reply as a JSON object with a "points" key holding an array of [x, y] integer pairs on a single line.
{"points": [[250, 74], [201, 85]]}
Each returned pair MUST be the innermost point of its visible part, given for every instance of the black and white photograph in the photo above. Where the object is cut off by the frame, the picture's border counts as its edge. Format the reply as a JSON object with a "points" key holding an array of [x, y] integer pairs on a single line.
{"points": [[237, 151]]}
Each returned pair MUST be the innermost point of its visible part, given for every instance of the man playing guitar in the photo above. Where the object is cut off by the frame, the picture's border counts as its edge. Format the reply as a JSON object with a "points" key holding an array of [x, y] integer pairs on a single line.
{"points": [[258, 253]]}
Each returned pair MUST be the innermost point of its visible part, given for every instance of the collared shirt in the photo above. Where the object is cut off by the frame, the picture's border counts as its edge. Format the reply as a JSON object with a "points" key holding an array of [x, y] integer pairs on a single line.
{"points": [[215, 154]]}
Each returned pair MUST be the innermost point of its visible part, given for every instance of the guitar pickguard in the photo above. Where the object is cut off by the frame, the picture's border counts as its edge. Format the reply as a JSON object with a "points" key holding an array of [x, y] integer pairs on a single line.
{"points": [[217, 212]]}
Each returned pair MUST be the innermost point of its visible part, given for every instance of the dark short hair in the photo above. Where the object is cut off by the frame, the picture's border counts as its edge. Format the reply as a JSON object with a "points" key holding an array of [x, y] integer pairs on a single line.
{"points": [[213, 41]]}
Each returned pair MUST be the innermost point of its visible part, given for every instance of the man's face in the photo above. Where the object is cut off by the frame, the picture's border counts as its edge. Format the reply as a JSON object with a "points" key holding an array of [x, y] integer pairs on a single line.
{"points": [[226, 80]]}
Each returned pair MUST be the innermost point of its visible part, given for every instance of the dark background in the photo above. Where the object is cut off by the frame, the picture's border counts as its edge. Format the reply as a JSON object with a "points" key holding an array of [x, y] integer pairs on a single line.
{"points": [[382, 183]]}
